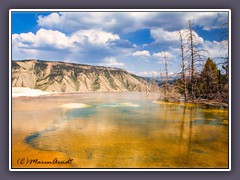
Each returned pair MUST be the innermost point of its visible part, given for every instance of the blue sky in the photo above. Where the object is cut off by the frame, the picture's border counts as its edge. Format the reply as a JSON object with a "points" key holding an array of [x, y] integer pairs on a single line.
{"points": [[135, 41]]}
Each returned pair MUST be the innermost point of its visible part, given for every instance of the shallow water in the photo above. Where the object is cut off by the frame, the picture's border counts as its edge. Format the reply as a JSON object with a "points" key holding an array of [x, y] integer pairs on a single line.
{"points": [[123, 130]]}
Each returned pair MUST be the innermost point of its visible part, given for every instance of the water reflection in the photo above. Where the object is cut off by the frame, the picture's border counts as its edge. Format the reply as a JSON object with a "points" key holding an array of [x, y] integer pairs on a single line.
{"points": [[190, 132], [181, 128], [132, 131]]}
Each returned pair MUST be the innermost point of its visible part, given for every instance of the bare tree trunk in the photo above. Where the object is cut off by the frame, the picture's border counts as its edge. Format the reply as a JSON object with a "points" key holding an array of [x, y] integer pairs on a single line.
{"points": [[183, 67], [160, 80], [166, 69], [191, 47], [191, 58]]}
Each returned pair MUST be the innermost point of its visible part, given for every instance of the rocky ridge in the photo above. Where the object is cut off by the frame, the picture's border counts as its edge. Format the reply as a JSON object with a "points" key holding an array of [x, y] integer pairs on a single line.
{"points": [[70, 77]]}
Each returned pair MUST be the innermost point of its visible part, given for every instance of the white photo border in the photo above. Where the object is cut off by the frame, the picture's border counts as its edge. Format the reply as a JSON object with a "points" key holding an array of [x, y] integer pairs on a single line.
{"points": [[117, 169]]}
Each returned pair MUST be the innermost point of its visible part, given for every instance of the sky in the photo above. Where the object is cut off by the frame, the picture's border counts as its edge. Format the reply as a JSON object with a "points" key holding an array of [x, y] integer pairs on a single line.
{"points": [[134, 41]]}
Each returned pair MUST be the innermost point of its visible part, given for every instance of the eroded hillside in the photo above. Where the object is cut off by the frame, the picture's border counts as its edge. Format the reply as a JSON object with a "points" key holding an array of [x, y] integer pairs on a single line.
{"points": [[69, 77]]}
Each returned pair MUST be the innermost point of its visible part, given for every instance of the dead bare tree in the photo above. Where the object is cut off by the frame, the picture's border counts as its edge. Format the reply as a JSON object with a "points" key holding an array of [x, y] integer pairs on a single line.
{"points": [[196, 57], [160, 83], [166, 70], [191, 48], [183, 67]]}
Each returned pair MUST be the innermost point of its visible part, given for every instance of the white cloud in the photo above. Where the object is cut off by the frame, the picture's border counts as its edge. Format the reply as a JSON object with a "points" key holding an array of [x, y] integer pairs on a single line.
{"points": [[94, 37], [130, 21], [155, 74], [88, 44], [216, 49], [111, 62], [55, 39], [148, 73], [143, 53], [42, 39], [162, 54], [108, 21], [210, 20], [162, 36], [51, 20], [169, 55]]}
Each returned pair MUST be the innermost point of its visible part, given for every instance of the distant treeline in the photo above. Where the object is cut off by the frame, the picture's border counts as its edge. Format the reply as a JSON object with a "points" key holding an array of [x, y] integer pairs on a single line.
{"points": [[209, 84]]}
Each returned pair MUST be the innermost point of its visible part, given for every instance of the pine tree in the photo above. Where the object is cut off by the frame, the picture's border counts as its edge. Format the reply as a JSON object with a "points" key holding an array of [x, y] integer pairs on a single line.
{"points": [[210, 79]]}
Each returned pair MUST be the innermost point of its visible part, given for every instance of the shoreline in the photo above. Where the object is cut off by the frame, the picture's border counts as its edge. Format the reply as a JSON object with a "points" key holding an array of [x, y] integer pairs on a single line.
{"points": [[25, 92], [29, 92]]}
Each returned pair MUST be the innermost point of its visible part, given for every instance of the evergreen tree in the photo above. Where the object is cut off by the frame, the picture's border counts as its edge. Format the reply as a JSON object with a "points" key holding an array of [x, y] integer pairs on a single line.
{"points": [[210, 79]]}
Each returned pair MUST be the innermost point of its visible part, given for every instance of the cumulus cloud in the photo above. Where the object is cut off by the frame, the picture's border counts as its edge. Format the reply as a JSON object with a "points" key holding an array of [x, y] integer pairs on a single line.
{"points": [[78, 20], [162, 36], [143, 53], [55, 39], [216, 49], [157, 57], [210, 20], [52, 20], [162, 54], [85, 45], [154, 74], [93, 36], [148, 73], [111, 62], [129, 21], [108, 21], [43, 39]]}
